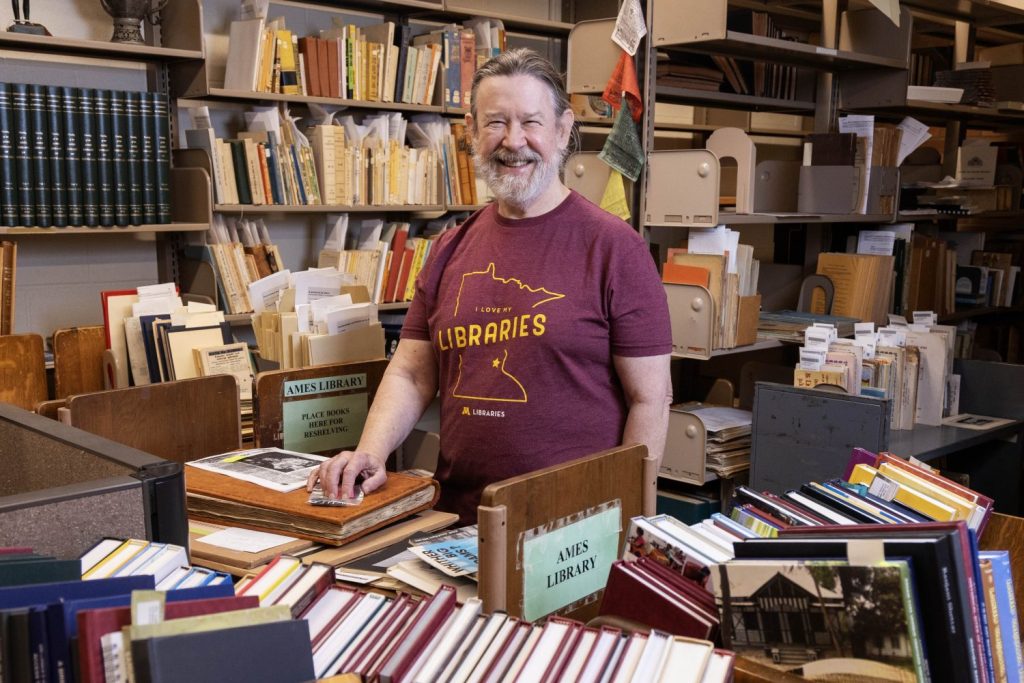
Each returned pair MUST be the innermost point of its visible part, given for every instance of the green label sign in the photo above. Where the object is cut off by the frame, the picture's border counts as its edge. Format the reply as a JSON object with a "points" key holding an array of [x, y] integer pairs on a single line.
{"points": [[323, 385], [315, 425], [568, 564]]}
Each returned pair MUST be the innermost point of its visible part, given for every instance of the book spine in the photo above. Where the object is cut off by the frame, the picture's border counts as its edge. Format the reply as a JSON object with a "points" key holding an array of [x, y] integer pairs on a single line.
{"points": [[8, 172], [133, 152], [119, 155], [162, 151], [104, 154], [241, 171], [23, 154], [40, 155], [88, 111], [147, 149], [72, 159], [56, 139]]}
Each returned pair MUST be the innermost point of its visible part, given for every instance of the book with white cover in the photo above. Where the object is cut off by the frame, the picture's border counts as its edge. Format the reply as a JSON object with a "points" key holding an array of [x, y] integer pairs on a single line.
{"points": [[457, 630], [630, 658], [687, 659], [345, 631], [244, 41], [494, 626]]}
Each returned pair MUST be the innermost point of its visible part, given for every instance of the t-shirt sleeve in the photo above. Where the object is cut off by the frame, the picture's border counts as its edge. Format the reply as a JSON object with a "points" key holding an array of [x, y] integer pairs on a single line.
{"points": [[638, 306]]}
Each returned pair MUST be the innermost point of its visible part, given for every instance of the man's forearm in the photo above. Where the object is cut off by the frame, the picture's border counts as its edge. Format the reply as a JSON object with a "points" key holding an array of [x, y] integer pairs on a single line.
{"points": [[647, 423], [409, 385]]}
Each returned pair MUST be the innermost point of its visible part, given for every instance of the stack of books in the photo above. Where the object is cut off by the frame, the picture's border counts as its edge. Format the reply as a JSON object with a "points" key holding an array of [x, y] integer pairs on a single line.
{"points": [[167, 563], [405, 639], [940, 616], [53, 631], [264, 489], [727, 448]]}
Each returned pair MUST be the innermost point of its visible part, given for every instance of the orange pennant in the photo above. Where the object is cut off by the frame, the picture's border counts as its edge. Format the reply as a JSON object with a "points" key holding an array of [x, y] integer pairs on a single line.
{"points": [[623, 82]]}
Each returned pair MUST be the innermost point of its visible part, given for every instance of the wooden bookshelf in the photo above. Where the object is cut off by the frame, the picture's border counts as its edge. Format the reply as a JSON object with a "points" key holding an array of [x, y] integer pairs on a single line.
{"points": [[512, 21]]}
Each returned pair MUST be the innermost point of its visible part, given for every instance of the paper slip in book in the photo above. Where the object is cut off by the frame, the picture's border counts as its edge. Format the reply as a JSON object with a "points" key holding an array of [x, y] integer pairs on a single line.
{"points": [[226, 500], [272, 468]]}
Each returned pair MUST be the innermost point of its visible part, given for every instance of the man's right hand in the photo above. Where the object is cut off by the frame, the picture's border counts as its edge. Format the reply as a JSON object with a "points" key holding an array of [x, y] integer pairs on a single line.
{"points": [[339, 474]]}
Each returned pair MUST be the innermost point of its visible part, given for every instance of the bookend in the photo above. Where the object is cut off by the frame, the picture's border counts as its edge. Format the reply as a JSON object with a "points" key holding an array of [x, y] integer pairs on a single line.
{"points": [[693, 318], [733, 143], [669, 172], [554, 501], [685, 447], [592, 56]]}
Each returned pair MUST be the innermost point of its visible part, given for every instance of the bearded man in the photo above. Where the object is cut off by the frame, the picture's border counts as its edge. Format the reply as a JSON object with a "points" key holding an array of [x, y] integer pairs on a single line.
{"points": [[541, 319]]}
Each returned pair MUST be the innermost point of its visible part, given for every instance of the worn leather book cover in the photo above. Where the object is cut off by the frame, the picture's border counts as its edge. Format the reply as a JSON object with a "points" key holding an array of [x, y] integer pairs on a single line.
{"points": [[832, 149], [225, 500]]}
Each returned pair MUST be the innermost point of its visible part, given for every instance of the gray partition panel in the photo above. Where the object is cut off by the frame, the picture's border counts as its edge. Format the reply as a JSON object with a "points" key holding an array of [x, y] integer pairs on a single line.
{"points": [[63, 489], [802, 435]]}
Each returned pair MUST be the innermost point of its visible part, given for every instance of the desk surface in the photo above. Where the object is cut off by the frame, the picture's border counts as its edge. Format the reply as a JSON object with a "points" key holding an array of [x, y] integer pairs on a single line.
{"points": [[927, 443]]}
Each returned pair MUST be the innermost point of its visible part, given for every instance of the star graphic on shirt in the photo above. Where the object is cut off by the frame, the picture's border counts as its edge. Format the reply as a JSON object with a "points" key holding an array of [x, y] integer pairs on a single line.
{"points": [[496, 363]]}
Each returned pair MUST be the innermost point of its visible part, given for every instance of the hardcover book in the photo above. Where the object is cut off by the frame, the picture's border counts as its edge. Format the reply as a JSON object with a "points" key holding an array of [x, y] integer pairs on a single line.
{"points": [[224, 500], [820, 618]]}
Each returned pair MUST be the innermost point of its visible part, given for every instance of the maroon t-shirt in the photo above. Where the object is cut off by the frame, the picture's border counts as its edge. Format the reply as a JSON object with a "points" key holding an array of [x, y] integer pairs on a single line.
{"points": [[524, 317]]}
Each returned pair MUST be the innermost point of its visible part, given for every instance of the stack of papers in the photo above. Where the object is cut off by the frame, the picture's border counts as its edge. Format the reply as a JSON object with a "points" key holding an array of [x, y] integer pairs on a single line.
{"points": [[728, 439]]}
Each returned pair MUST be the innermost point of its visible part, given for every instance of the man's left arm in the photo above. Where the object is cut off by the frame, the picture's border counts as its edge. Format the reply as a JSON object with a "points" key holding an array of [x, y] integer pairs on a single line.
{"points": [[647, 384]]}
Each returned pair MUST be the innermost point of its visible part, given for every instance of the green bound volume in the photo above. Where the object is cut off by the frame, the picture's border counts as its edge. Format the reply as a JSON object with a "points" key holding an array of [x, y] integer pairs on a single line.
{"points": [[241, 171], [56, 143], [72, 141], [147, 165], [133, 150], [104, 157], [85, 118], [23, 155], [8, 174], [162, 152], [119, 156], [40, 154]]}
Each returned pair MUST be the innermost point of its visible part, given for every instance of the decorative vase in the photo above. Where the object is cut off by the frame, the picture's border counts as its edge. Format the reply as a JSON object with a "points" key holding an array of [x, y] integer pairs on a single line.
{"points": [[128, 16]]}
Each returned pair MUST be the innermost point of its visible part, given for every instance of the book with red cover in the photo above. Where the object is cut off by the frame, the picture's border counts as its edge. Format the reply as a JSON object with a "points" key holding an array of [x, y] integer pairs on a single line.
{"points": [[697, 592], [95, 623], [402, 278], [299, 601], [794, 508], [764, 516], [397, 663], [317, 638], [397, 252], [565, 648], [509, 649], [323, 67], [375, 661], [770, 507], [381, 633], [636, 595]]}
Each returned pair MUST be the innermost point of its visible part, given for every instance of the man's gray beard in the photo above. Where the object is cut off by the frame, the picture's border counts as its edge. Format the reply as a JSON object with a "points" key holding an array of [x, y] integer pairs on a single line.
{"points": [[519, 192]]}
